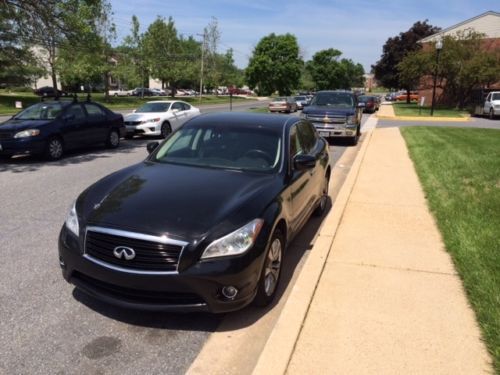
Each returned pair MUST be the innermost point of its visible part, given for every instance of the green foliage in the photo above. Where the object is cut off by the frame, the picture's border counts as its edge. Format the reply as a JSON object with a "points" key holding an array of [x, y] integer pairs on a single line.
{"points": [[464, 64], [275, 65], [328, 71], [395, 50]]}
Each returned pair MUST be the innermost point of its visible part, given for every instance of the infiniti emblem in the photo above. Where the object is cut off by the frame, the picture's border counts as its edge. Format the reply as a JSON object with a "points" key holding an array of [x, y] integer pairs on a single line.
{"points": [[123, 252]]}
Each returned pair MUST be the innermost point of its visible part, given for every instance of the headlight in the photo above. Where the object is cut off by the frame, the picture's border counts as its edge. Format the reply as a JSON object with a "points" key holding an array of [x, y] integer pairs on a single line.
{"points": [[351, 120], [150, 120], [27, 133], [236, 242], [72, 221]]}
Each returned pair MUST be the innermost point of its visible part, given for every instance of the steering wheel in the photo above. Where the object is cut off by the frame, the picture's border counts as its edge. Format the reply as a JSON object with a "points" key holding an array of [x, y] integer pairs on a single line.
{"points": [[256, 153]]}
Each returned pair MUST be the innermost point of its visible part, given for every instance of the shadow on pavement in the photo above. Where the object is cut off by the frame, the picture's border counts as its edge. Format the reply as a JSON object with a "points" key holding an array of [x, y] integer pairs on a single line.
{"points": [[22, 164]]}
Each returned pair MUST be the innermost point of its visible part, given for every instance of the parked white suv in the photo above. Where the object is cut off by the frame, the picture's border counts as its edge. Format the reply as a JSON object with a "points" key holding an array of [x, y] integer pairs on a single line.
{"points": [[159, 117], [492, 104]]}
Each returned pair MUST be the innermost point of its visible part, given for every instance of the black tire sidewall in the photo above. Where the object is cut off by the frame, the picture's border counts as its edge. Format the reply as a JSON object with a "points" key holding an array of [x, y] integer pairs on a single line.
{"points": [[47, 151], [166, 126]]}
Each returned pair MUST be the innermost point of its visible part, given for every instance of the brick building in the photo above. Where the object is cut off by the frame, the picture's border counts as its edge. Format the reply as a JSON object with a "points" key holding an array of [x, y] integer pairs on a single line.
{"points": [[487, 23]]}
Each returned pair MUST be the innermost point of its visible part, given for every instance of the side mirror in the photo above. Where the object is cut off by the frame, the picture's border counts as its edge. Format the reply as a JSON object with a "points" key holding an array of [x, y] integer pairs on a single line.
{"points": [[151, 146], [303, 162]]}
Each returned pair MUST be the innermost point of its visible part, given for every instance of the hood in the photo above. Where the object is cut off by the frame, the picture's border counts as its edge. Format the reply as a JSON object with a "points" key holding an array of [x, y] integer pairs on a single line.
{"points": [[19, 125], [143, 116], [323, 110], [177, 201]]}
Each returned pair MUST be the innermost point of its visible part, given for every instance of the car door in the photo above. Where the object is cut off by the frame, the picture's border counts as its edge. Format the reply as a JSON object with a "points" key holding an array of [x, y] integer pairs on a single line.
{"points": [[301, 182], [74, 126], [190, 111], [97, 123], [487, 104], [179, 115]]}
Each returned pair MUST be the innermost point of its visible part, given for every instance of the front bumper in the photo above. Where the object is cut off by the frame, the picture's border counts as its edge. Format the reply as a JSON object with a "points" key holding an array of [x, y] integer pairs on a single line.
{"points": [[198, 288], [20, 146], [337, 130], [150, 128]]}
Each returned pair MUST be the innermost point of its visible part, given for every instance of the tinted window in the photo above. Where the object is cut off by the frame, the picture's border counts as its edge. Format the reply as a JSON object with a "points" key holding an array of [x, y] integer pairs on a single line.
{"points": [[94, 111], [223, 146], [307, 136], [153, 107], [334, 99], [495, 96], [40, 111], [295, 143], [76, 110], [186, 106], [178, 106]]}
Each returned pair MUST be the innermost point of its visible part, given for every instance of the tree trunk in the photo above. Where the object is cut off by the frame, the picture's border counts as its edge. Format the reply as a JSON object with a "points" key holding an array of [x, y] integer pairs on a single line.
{"points": [[408, 101], [54, 76], [106, 86]]}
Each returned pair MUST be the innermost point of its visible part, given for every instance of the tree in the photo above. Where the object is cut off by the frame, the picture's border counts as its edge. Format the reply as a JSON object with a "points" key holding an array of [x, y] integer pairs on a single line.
{"points": [[395, 50], [328, 71], [162, 51], [275, 65], [211, 38], [464, 64]]}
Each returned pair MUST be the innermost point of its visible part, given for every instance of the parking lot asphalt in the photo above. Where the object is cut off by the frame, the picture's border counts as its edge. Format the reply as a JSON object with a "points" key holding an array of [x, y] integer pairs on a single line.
{"points": [[47, 326]]}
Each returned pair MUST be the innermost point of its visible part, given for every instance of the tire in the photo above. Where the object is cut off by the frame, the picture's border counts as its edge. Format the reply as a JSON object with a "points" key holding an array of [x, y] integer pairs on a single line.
{"points": [[271, 271], [113, 140], [165, 129], [321, 209], [54, 149], [491, 114], [353, 141]]}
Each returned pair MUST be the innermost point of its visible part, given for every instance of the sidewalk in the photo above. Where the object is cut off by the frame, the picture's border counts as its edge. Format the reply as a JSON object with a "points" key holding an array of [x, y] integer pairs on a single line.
{"points": [[378, 294], [386, 112]]}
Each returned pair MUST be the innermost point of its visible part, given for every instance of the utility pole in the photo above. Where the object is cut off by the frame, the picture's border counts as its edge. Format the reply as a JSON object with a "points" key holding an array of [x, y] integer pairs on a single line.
{"points": [[204, 35]]}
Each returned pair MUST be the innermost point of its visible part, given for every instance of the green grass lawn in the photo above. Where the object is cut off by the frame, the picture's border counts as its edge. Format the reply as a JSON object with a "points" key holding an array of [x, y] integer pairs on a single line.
{"points": [[412, 109], [7, 101], [460, 171]]}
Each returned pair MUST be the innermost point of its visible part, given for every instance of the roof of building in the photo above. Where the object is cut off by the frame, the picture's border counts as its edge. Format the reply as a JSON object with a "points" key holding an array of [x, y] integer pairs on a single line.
{"points": [[487, 23]]}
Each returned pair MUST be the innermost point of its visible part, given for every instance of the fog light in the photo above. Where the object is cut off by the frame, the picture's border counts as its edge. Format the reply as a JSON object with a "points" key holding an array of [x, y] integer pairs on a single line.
{"points": [[229, 292]]}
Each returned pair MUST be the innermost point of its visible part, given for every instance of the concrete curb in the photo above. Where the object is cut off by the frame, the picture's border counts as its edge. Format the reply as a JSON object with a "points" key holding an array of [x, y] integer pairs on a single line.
{"points": [[424, 118], [279, 348]]}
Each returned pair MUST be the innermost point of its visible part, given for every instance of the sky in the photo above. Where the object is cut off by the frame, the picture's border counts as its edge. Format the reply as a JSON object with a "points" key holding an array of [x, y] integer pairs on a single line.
{"points": [[358, 28]]}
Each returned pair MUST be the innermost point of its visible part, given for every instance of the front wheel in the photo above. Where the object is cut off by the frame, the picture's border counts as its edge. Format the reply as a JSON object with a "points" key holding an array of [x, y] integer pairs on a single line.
{"points": [[491, 114], [165, 130], [113, 140], [354, 140], [271, 271], [54, 149], [320, 210]]}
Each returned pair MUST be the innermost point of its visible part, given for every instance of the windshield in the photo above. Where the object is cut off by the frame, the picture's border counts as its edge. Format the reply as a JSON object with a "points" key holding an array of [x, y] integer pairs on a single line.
{"points": [[280, 99], [334, 99], [495, 96], [254, 149], [154, 107], [40, 111], [300, 98]]}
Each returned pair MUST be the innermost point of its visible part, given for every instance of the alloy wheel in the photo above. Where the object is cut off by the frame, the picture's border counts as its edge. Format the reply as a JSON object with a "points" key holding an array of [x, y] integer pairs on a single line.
{"points": [[55, 148], [273, 267]]}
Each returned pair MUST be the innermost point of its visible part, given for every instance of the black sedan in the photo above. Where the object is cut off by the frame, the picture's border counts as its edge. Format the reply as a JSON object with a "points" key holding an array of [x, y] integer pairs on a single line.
{"points": [[50, 128], [49, 91], [203, 222]]}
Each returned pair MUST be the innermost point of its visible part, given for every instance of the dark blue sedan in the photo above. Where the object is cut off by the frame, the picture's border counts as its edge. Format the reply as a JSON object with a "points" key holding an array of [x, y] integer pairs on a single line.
{"points": [[50, 128]]}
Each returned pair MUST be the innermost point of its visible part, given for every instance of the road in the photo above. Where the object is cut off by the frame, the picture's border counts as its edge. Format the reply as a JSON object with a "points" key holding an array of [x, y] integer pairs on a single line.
{"points": [[46, 325]]}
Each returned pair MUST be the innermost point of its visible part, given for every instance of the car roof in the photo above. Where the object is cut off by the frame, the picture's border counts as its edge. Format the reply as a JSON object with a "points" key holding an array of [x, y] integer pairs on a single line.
{"points": [[248, 120], [166, 101]]}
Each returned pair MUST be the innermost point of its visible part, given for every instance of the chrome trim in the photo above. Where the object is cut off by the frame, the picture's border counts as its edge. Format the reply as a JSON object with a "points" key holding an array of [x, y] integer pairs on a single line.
{"points": [[127, 270], [138, 236]]}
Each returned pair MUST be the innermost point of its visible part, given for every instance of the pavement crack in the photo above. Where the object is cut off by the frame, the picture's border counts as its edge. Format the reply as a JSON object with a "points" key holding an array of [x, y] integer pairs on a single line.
{"points": [[395, 268]]}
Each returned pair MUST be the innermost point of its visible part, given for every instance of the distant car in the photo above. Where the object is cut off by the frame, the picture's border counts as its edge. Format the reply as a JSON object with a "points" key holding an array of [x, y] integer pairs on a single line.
{"points": [[371, 103], [159, 118], [301, 101], [142, 91], [492, 105], [159, 92], [49, 91], [403, 96], [203, 223], [120, 92], [283, 104], [52, 127]]}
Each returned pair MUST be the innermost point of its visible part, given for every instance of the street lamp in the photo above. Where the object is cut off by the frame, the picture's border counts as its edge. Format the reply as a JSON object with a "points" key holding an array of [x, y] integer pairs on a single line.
{"points": [[439, 47]]}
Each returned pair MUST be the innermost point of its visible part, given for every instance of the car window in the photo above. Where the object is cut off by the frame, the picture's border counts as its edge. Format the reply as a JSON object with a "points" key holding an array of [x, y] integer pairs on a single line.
{"points": [[76, 110], [178, 106], [333, 99], [307, 136], [153, 107], [94, 111], [40, 111], [295, 144], [495, 96], [186, 106]]}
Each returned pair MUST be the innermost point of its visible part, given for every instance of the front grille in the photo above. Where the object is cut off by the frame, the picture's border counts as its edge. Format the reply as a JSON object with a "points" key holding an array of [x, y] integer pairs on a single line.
{"points": [[149, 255], [134, 123], [327, 119], [135, 295], [6, 135]]}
